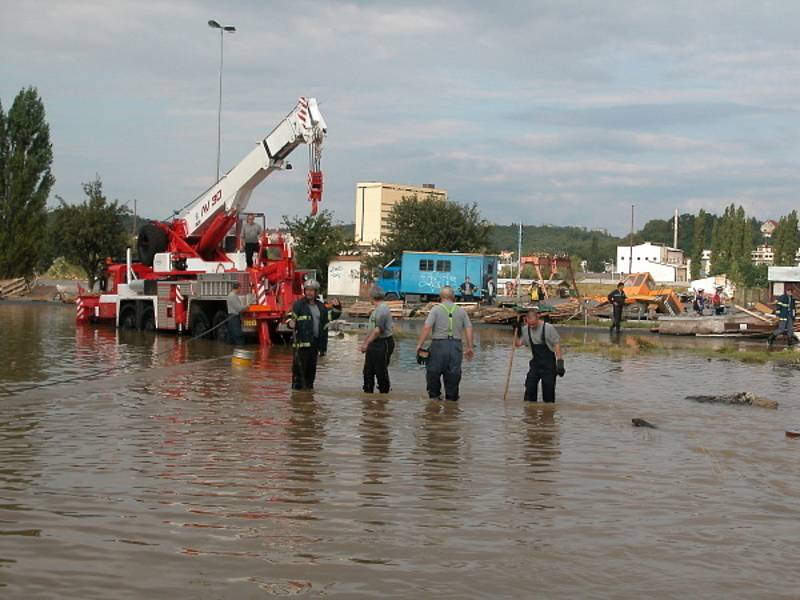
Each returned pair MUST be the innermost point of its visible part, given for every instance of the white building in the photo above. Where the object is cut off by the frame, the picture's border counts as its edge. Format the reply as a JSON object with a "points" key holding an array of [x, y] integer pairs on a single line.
{"points": [[763, 255], [662, 262], [344, 276], [374, 202]]}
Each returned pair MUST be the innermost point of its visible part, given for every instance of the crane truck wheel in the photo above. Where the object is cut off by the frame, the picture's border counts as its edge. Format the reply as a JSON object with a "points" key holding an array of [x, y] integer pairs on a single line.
{"points": [[199, 324], [127, 318], [220, 333], [148, 319], [152, 240]]}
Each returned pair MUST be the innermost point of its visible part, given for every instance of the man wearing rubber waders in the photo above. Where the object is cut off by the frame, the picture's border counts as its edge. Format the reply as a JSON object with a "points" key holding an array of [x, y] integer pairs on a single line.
{"points": [[235, 306], [547, 361], [379, 344], [309, 319], [447, 323]]}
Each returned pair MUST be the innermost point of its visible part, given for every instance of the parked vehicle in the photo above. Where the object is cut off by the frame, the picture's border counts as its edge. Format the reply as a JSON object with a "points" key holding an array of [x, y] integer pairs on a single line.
{"points": [[188, 265], [420, 275]]}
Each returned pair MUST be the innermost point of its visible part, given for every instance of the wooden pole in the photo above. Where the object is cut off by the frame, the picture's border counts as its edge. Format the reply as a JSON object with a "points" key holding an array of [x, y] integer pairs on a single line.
{"points": [[510, 364]]}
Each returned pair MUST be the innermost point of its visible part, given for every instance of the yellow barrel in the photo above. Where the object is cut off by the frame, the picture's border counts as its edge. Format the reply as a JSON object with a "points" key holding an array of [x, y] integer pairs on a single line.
{"points": [[242, 358]]}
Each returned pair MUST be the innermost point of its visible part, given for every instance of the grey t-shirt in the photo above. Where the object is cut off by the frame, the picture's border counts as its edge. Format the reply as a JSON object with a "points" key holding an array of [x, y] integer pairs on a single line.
{"points": [[551, 337], [314, 318], [250, 232], [381, 318], [235, 303], [439, 320]]}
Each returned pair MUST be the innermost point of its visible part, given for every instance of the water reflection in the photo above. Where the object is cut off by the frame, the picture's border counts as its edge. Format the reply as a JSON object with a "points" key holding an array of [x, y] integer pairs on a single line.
{"points": [[440, 443], [306, 432], [542, 437]]}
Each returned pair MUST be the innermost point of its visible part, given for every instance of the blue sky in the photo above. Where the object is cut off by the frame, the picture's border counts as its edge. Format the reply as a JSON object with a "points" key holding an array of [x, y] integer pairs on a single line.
{"points": [[546, 112]]}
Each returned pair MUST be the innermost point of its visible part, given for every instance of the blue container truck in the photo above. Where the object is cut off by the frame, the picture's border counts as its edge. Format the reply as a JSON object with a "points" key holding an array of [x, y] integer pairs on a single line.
{"points": [[420, 275]]}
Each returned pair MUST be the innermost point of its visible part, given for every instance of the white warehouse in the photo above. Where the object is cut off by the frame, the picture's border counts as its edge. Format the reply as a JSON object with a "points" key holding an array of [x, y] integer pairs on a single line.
{"points": [[662, 262]]}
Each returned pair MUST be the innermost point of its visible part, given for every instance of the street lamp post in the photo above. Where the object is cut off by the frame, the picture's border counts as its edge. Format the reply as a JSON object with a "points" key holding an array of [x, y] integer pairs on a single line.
{"points": [[222, 29]]}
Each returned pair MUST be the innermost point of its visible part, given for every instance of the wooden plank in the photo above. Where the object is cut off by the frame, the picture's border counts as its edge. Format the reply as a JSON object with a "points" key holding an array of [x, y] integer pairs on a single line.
{"points": [[754, 314]]}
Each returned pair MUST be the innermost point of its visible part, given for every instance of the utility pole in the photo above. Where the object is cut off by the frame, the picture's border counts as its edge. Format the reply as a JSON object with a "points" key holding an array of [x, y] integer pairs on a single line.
{"points": [[135, 215], [675, 234], [222, 31], [519, 258], [630, 258]]}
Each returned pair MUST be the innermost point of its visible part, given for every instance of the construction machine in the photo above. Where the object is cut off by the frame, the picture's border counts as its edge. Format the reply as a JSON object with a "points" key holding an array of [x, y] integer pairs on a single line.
{"points": [[188, 265]]}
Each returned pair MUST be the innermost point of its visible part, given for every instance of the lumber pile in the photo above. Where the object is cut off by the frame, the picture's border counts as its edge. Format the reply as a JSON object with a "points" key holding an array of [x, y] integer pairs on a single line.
{"points": [[14, 288], [362, 308]]}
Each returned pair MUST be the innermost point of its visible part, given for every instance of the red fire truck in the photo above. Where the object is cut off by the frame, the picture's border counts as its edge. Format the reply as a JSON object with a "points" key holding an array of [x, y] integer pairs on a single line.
{"points": [[187, 266]]}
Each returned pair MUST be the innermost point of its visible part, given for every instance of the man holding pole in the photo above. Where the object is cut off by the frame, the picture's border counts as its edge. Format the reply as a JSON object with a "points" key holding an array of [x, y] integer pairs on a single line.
{"points": [[547, 360]]}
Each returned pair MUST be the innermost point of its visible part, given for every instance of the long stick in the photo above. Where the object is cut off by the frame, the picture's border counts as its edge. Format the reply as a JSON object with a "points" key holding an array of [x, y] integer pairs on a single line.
{"points": [[752, 314], [510, 364]]}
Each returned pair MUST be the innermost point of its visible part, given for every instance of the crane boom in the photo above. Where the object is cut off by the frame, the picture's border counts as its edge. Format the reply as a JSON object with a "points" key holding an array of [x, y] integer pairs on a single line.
{"points": [[229, 196]]}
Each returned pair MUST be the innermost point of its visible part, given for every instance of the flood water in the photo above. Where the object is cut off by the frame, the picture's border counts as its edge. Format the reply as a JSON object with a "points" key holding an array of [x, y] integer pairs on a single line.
{"points": [[174, 474]]}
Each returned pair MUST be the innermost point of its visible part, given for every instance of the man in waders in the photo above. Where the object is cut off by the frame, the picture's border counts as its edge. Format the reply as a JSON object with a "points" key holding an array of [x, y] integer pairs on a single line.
{"points": [[309, 319], [547, 360], [786, 312], [446, 323], [235, 306], [617, 300], [379, 345]]}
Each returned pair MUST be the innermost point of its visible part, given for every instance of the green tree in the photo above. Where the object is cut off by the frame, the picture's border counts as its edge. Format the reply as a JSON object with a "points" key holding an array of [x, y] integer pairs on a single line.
{"points": [[88, 233], [698, 243], [595, 261], [786, 240], [431, 224], [26, 155], [317, 239]]}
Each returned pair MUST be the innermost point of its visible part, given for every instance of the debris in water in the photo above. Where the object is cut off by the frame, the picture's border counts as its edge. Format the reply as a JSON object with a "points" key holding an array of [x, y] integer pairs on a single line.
{"points": [[642, 423], [739, 398]]}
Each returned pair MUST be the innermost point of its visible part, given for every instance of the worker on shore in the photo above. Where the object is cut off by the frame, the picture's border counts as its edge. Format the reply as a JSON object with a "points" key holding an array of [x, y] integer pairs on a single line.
{"points": [[716, 301], [447, 323], [309, 319], [617, 301], [547, 360], [251, 231], [379, 344], [699, 303], [786, 312], [467, 290], [536, 293], [235, 306]]}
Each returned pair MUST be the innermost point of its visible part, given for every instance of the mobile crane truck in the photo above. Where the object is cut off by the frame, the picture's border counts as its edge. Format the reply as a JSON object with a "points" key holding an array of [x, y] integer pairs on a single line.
{"points": [[185, 268]]}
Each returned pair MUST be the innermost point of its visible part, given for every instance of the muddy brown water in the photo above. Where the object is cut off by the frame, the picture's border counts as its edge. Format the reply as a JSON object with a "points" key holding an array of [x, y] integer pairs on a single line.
{"points": [[177, 475]]}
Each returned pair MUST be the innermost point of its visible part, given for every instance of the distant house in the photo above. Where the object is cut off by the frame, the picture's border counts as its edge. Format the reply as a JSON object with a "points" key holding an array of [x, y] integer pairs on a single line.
{"points": [[768, 227], [763, 254], [661, 261]]}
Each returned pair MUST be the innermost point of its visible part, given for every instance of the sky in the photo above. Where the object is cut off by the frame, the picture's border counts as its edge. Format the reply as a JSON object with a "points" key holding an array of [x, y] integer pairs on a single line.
{"points": [[546, 112]]}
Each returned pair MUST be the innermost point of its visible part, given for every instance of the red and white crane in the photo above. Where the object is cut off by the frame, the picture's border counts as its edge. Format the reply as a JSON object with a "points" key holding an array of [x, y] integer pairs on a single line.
{"points": [[186, 268]]}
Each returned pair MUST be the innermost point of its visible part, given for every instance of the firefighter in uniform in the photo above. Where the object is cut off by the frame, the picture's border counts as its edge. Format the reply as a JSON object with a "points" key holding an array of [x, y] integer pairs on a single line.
{"points": [[786, 312], [379, 344], [547, 360], [446, 323], [309, 319]]}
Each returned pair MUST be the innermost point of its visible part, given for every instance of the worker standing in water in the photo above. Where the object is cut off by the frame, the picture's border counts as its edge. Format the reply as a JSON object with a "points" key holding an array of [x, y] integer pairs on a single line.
{"points": [[235, 306], [547, 360], [379, 344], [447, 323], [617, 300], [309, 319]]}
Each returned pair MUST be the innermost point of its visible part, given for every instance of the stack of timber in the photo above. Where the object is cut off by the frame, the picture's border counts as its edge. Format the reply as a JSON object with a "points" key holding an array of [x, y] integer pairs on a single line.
{"points": [[554, 313], [14, 288], [473, 309], [362, 308]]}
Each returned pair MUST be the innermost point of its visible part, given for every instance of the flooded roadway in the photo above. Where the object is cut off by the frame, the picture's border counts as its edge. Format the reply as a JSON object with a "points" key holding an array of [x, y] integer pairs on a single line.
{"points": [[176, 475]]}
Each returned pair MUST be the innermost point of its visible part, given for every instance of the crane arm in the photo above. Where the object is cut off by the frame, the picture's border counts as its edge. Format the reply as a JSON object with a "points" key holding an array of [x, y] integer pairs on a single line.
{"points": [[223, 201]]}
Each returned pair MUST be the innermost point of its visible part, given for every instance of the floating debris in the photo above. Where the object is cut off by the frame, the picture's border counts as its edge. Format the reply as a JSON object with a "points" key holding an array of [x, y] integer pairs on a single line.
{"points": [[642, 423], [739, 398]]}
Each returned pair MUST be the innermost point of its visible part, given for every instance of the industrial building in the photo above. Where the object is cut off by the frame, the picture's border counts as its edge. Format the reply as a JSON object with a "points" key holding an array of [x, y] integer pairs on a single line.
{"points": [[661, 261], [374, 202]]}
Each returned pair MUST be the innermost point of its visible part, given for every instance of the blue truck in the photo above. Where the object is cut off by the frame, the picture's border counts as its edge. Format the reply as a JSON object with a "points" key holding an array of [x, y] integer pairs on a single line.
{"points": [[420, 275]]}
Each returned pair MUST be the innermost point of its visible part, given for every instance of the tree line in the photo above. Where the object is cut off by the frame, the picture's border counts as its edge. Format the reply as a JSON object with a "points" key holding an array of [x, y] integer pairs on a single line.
{"points": [[31, 236]]}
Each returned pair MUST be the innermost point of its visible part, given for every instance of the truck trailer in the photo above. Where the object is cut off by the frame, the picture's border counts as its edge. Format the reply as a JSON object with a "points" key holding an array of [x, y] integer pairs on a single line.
{"points": [[420, 275]]}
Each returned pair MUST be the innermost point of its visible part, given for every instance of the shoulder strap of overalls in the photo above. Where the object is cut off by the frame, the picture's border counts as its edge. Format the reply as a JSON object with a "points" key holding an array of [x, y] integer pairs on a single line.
{"points": [[449, 318]]}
